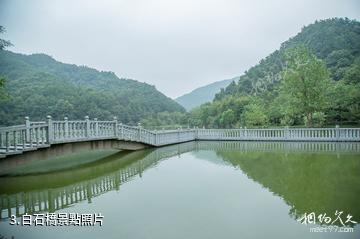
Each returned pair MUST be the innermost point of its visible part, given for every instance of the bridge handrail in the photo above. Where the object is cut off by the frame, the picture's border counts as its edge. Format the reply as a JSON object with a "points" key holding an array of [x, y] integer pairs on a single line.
{"points": [[11, 128], [38, 122], [31, 135]]}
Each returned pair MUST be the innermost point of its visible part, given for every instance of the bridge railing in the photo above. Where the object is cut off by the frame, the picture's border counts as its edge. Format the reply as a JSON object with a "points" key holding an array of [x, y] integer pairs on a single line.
{"points": [[174, 136], [19, 138], [284, 134], [129, 133], [32, 135], [156, 138], [78, 130]]}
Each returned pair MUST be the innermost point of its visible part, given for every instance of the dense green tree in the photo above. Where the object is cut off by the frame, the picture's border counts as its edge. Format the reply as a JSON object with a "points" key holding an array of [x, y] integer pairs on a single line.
{"points": [[305, 83], [2, 89], [345, 103], [352, 74], [227, 118], [254, 114], [3, 43]]}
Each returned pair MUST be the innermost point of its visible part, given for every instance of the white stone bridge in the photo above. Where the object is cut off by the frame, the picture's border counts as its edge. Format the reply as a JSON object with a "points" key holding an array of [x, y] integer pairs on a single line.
{"points": [[35, 135]]}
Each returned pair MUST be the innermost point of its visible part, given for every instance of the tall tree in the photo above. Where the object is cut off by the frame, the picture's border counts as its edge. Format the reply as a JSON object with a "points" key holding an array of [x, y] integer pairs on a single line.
{"points": [[254, 114], [305, 83], [3, 45], [2, 88]]}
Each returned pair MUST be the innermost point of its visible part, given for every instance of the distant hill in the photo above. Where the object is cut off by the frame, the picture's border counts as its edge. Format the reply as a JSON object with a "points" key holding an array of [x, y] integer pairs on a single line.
{"points": [[37, 85], [202, 94]]}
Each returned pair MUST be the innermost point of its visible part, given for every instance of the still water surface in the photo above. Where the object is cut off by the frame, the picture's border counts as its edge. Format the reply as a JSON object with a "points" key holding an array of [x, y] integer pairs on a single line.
{"points": [[192, 190]]}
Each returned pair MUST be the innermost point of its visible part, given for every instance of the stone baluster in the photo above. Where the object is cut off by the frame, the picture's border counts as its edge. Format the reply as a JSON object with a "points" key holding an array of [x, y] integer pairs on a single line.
{"points": [[139, 130], [287, 133], [155, 137], [337, 132], [27, 125], [66, 128], [96, 127], [178, 135], [7, 141], [50, 132], [122, 130], [36, 136], [87, 127], [115, 126], [23, 138]]}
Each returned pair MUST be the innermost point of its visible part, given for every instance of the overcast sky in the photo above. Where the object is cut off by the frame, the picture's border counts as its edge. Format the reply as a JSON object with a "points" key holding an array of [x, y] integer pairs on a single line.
{"points": [[176, 45]]}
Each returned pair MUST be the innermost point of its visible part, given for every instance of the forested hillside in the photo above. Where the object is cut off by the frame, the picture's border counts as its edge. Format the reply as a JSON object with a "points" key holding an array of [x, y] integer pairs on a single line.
{"points": [[203, 94], [254, 100], [37, 85]]}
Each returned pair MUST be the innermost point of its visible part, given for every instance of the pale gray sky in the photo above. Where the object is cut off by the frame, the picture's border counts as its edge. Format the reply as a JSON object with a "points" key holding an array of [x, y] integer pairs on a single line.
{"points": [[176, 45]]}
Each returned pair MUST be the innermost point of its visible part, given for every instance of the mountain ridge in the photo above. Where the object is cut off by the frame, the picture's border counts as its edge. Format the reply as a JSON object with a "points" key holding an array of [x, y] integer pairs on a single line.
{"points": [[38, 85]]}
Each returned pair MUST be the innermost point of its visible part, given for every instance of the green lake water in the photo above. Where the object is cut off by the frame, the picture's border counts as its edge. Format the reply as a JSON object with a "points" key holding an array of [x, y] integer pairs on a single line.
{"points": [[192, 190]]}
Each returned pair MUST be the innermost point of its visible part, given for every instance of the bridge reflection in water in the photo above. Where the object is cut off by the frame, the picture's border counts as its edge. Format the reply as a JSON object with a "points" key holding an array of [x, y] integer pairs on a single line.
{"points": [[51, 192], [263, 162]]}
